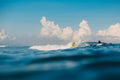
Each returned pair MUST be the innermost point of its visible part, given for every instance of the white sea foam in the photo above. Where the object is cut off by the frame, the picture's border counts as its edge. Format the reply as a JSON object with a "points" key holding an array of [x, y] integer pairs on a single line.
{"points": [[2, 46], [57, 47], [51, 47]]}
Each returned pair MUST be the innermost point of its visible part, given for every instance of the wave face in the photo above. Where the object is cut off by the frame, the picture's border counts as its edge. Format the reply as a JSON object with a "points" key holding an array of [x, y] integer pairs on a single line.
{"points": [[80, 63]]}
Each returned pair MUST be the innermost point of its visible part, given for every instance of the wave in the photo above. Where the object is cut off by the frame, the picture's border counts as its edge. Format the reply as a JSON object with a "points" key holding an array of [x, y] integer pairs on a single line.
{"points": [[70, 45], [50, 47], [59, 47], [81, 63], [2, 46]]}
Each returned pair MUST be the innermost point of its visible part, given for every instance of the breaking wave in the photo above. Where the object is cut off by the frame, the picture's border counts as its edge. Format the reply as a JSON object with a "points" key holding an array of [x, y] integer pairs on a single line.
{"points": [[50, 47], [1, 46]]}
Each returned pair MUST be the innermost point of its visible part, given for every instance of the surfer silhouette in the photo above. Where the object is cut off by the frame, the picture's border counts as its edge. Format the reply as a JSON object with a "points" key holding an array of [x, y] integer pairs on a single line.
{"points": [[99, 41], [103, 43]]}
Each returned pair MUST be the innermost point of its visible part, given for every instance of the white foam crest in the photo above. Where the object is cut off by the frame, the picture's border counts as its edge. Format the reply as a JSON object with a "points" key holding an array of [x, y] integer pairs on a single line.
{"points": [[2, 46], [51, 47]]}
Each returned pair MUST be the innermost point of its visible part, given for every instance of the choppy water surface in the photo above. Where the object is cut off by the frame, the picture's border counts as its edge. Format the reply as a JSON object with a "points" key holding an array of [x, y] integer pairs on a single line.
{"points": [[81, 63]]}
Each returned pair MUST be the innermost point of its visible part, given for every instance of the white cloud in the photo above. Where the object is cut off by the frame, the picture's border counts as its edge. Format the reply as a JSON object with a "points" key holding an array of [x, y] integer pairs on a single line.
{"points": [[2, 35], [49, 28], [66, 33], [84, 30], [112, 34], [113, 31]]}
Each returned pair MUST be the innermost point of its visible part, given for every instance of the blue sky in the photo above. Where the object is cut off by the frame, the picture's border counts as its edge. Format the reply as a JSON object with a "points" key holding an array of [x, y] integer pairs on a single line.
{"points": [[22, 17]]}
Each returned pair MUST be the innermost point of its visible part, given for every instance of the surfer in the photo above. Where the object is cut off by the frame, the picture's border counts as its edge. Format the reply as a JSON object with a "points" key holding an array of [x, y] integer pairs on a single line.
{"points": [[101, 43], [73, 45]]}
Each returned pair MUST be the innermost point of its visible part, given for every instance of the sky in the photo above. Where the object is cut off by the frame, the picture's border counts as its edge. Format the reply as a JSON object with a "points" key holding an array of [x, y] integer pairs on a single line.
{"points": [[29, 22]]}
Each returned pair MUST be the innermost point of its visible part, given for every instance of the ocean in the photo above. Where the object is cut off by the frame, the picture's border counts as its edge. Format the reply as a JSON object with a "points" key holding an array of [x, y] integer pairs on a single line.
{"points": [[80, 63]]}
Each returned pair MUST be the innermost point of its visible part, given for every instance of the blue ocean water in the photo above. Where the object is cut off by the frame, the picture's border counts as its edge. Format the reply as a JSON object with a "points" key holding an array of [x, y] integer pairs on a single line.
{"points": [[80, 63]]}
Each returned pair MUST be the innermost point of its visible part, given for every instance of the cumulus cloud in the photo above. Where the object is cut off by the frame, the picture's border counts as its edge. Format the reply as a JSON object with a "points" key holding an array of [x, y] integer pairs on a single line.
{"points": [[49, 28], [113, 31], [111, 34], [2, 35], [84, 30]]}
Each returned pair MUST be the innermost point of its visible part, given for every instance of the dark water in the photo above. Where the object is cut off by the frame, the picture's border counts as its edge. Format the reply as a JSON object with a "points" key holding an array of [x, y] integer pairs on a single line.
{"points": [[81, 63]]}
